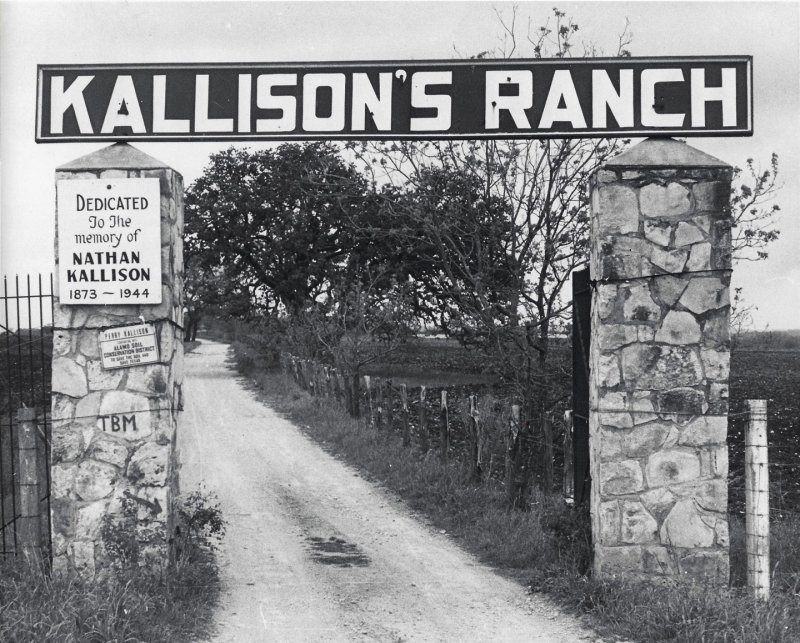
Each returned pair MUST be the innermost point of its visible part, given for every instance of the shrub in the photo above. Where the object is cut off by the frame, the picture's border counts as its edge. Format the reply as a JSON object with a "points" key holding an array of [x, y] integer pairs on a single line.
{"points": [[118, 535], [132, 603], [200, 525]]}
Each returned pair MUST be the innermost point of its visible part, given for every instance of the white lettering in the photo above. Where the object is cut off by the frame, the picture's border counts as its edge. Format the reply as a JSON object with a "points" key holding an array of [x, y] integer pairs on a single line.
{"points": [[702, 95], [516, 105], [202, 123], [124, 92], [162, 124], [245, 93], [61, 101], [651, 78], [286, 104], [605, 96], [364, 98], [562, 87], [312, 83], [440, 102]]}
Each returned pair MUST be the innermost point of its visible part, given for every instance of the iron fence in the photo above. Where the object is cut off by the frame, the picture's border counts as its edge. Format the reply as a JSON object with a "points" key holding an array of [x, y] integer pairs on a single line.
{"points": [[26, 345]]}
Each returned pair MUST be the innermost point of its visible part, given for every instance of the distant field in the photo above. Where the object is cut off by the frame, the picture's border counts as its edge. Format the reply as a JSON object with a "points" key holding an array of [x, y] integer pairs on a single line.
{"points": [[435, 356], [433, 363], [775, 377], [25, 362]]}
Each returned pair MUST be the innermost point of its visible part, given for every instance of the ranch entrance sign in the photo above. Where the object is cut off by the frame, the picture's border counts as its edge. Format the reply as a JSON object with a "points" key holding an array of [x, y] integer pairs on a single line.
{"points": [[660, 268], [540, 98]]}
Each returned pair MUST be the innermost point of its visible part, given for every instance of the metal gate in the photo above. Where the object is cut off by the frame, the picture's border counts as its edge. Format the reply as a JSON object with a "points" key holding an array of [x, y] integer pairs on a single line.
{"points": [[26, 346], [581, 336]]}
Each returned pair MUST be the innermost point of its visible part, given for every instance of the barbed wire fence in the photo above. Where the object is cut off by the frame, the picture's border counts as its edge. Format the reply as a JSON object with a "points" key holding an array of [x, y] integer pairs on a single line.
{"points": [[489, 454]]}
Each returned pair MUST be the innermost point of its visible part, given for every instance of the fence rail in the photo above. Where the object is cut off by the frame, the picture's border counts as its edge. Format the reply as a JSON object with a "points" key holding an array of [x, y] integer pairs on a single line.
{"points": [[26, 345]]}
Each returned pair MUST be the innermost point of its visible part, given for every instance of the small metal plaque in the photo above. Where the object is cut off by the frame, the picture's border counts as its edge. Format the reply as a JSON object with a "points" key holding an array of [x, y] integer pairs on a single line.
{"points": [[126, 346]]}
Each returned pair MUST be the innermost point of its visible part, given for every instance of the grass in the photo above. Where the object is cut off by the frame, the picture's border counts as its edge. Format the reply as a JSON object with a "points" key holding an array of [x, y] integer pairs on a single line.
{"points": [[683, 613], [127, 600], [128, 606], [548, 547]]}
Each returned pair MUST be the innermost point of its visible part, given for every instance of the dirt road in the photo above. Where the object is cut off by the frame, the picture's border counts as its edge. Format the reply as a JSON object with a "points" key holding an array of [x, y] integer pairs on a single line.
{"points": [[315, 553]]}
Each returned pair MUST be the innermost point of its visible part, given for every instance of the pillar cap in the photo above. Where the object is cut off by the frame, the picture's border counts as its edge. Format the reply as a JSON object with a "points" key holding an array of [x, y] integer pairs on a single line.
{"points": [[665, 152], [119, 156]]}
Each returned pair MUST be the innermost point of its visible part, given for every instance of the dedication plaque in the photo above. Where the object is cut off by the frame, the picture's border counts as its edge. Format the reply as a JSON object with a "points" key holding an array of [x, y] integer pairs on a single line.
{"points": [[109, 241]]}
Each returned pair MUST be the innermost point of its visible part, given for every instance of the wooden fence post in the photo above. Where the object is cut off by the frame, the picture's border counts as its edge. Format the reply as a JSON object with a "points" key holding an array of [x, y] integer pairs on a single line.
{"points": [[512, 454], [389, 405], [476, 432], [338, 386], [404, 415], [444, 427], [568, 487], [423, 420], [379, 402], [312, 378], [547, 453], [368, 393], [756, 471], [303, 375], [355, 394], [28, 525]]}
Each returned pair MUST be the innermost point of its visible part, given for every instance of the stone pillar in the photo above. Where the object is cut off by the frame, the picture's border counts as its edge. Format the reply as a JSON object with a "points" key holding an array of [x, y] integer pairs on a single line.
{"points": [[661, 263], [98, 465]]}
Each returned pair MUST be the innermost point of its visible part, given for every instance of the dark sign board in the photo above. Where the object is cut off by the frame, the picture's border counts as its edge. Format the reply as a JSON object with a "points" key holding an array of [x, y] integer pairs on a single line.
{"points": [[542, 98]]}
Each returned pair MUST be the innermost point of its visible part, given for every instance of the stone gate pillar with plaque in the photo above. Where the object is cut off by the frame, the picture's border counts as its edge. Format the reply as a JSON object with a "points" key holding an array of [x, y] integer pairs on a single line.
{"points": [[117, 354]]}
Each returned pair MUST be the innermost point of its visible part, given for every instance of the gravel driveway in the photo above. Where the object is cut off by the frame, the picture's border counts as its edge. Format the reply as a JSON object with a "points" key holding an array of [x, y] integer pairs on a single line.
{"points": [[315, 553]]}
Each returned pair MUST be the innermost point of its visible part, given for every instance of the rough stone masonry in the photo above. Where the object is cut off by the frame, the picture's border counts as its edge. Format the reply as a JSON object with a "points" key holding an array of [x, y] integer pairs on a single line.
{"points": [[98, 465], [660, 260]]}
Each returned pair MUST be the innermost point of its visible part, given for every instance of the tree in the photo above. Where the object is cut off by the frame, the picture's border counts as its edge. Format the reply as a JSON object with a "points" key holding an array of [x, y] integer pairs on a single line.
{"points": [[208, 289], [360, 322], [753, 211], [500, 226], [274, 221], [741, 319]]}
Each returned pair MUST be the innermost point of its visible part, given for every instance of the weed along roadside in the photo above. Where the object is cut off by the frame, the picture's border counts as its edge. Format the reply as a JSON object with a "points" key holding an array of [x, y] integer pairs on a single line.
{"points": [[547, 546], [126, 600]]}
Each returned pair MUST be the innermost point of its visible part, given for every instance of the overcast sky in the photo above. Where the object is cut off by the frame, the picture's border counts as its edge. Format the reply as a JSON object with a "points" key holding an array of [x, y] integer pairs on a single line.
{"points": [[132, 32]]}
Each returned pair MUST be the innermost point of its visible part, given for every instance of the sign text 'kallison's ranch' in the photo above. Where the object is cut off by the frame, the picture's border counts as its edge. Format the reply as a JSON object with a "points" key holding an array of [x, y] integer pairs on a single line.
{"points": [[398, 100]]}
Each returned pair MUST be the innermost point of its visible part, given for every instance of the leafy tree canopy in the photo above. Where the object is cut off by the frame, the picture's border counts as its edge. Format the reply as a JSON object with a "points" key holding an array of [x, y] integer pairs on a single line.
{"points": [[274, 222]]}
